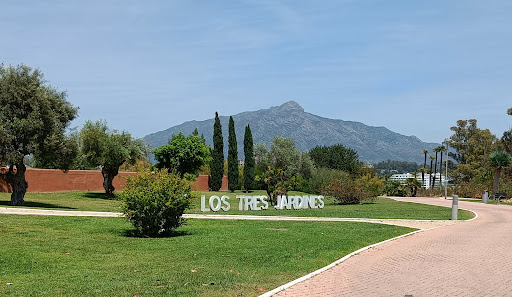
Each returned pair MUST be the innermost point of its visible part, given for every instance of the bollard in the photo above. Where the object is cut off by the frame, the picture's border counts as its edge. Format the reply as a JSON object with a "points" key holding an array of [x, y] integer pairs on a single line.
{"points": [[485, 197], [455, 207]]}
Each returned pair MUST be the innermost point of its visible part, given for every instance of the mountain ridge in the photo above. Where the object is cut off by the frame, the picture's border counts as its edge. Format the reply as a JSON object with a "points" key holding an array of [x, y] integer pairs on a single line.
{"points": [[373, 144]]}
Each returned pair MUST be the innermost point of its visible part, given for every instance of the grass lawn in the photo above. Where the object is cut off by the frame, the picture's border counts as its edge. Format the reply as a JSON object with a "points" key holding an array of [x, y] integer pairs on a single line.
{"points": [[75, 200], [491, 201], [80, 256], [382, 208]]}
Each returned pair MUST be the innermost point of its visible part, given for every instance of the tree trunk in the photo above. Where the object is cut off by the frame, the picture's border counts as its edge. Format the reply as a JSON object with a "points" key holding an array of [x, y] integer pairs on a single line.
{"points": [[430, 177], [441, 171], [496, 183], [435, 172], [18, 183], [108, 176]]}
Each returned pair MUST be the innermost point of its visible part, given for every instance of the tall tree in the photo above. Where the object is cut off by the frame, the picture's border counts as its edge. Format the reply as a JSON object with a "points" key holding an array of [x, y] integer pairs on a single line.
{"points": [[108, 150], [424, 152], [233, 176], [249, 160], [498, 160], [506, 141], [217, 164], [185, 154], [436, 150], [442, 150], [32, 113], [430, 171], [472, 147]]}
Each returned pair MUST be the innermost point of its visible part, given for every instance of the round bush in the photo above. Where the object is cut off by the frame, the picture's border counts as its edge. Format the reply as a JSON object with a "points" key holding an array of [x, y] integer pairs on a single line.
{"points": [[155, 202]]}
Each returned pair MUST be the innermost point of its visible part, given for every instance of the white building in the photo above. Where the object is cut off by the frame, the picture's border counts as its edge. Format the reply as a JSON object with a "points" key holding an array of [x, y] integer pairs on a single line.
{"points": [[428, 178]]}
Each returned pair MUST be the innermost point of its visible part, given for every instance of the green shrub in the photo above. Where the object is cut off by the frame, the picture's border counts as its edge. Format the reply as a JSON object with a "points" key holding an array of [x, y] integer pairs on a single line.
{"points": [[475, 187], [395, 188], [348, 191], [322, 178], [298, 183], [155, 203]]}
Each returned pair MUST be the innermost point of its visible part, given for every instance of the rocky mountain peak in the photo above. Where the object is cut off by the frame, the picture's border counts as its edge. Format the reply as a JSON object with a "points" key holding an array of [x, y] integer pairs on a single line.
{"points": [[373, 144], [290, 106]]}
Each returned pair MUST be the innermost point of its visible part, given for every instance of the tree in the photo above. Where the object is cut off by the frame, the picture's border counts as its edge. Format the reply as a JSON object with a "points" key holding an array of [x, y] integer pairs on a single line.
{"points": [[498, 160], [32, 113], [430, 171], [261, 157], [441, 150], [436, 150], [424, 152], [472, 148], [249, 160], [423, 170], [284, 155], [506, 141], [412, 183], [276, 167], [233, 175], [108, 150], [509, 111], [58, 152], [217, 164], [185, 154], [335, 157]]}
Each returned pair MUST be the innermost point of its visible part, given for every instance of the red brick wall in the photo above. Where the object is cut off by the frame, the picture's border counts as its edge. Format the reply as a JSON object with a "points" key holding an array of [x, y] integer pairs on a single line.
{"points": [[54, 180]]}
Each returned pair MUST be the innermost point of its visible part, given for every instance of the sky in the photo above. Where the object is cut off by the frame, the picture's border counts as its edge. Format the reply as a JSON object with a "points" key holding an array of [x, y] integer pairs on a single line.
{"points": [[414, 67]]}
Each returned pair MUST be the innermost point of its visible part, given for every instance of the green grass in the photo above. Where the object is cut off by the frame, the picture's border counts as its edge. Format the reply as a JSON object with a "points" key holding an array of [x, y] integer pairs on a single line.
{"points": [[491, 201], [75, 200], [382, 208], [79, 256]]}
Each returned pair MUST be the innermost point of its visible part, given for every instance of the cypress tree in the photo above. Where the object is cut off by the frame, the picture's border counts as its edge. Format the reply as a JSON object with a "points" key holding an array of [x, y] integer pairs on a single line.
{"points": [[249, 160], [217, 165], [232, 157]]}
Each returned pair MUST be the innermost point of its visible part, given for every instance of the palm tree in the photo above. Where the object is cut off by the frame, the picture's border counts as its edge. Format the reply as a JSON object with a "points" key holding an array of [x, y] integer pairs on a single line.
{"points": [[498, 160], [430, 171], [412, 184], [423, 170], [437, 150], [443, 149], [425, 152]]}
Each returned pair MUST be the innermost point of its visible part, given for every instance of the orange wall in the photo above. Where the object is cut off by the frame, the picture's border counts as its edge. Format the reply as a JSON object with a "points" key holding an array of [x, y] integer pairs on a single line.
{"points": [[54, 180]]}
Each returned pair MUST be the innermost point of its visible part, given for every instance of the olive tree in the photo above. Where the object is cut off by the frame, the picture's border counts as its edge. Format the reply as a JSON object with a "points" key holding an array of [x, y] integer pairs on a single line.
{"points": [[108, 150], [33, 115], [185, 154]]}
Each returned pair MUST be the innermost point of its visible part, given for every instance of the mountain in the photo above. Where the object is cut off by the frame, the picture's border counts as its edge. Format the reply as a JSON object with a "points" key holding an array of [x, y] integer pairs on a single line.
{"points": [[373, 144]]}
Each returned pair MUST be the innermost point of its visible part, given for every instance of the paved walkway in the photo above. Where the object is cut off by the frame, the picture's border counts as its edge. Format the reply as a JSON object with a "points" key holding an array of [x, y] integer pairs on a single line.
{"points": [[468, 259], [419, 224]]}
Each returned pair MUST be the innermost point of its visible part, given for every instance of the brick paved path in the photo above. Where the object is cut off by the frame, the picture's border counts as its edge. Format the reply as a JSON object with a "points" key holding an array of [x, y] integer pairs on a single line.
{"points": [[466, 259]]}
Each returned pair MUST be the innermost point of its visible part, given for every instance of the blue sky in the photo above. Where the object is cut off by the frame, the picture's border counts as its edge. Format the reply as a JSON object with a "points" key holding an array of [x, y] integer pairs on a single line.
{"points": [[415, 67]]}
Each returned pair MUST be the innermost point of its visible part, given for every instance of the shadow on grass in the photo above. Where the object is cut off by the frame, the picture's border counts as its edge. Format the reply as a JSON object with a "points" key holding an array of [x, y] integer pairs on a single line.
{"points": [[134, 234], [99, 195], [37, 204]]}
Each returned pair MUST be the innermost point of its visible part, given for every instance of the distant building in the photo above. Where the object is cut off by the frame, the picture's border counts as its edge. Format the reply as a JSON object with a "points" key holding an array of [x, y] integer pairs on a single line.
{"points": [[439, 177]]}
